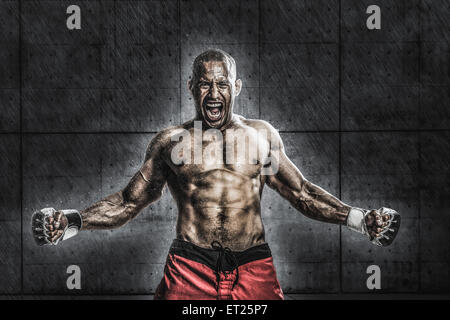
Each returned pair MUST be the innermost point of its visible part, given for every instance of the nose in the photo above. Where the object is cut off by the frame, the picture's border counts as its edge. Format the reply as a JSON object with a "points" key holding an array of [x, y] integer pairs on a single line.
{"points": [[214, 92]]}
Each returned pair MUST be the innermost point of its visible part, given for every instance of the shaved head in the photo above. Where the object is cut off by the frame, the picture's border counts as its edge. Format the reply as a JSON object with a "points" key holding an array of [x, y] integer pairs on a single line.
{"points": [[214, 87], [213, 55]]}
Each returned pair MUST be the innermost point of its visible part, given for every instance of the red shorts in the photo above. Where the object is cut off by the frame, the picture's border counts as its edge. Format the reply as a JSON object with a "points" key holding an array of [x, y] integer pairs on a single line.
{"points": [[195, 273]]}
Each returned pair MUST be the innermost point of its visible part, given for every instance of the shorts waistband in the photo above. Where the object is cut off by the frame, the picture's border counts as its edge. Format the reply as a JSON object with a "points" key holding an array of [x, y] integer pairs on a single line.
{"points": [[209, 257]]}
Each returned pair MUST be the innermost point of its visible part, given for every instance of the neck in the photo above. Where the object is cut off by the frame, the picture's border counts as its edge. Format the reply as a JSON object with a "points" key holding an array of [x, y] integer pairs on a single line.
{"points": [[228, 124]]}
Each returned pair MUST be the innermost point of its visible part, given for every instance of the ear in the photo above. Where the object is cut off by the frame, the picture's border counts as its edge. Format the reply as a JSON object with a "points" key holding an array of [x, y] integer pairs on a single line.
{"points": [[238, 85]]}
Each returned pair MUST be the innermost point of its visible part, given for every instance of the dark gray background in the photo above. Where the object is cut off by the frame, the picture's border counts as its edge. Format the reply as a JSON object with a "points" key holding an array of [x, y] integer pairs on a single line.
{"points": [[364, 114]]}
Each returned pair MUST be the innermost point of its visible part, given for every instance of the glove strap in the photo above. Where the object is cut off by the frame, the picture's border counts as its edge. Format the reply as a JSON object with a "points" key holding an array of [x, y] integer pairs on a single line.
{"points": [[356, 220], [74, 223]]}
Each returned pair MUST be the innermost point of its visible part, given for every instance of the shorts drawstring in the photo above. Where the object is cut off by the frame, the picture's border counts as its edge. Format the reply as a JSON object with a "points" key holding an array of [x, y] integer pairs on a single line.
{"points": [[228, 255]]}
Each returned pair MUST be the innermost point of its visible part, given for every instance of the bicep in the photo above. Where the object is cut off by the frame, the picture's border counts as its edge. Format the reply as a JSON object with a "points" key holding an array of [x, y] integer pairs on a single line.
{"points": [[147, 184], [283, 176], [287, 178]]}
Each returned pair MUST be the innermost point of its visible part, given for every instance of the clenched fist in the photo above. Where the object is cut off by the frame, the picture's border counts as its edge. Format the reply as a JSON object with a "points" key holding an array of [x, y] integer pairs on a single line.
{"points": [[50, 226], [381, 226], [56, 225]]}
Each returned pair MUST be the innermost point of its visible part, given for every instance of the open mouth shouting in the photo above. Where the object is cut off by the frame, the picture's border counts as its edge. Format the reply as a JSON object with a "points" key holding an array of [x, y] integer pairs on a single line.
{"points": [[213, 110]]}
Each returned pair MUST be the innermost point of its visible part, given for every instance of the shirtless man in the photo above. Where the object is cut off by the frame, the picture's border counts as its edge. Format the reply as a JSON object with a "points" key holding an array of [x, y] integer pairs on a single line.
{"points": [[219, 251]]}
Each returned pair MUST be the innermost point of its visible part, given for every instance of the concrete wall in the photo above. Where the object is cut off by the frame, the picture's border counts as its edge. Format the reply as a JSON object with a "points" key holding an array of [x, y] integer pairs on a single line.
{"points": [[364, 114]]}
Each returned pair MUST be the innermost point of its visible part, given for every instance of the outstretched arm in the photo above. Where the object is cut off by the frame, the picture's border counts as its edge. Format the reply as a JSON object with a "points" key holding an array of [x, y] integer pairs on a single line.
{"points": [[381, 226], [144, 188], [306, 197], [51, 226]]}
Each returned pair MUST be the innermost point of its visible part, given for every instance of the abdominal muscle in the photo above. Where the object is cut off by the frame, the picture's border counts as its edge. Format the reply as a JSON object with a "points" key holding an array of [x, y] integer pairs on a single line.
{"points": [[219, 206]]}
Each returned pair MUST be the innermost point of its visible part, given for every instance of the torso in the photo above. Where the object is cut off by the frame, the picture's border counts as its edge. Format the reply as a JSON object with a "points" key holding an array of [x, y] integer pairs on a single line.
{"points": [[218, 196]]}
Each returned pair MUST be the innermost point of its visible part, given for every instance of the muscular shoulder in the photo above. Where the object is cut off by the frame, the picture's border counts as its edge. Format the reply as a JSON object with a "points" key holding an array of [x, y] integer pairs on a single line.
{"points": [[258, 124], [162, 140]]}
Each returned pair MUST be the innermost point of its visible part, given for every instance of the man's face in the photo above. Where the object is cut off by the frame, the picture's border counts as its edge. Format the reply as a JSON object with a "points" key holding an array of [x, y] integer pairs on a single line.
{"points": [[214, 92]]}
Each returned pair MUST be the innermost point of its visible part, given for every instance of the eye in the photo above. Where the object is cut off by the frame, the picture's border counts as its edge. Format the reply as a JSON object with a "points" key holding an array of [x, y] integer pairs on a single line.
{"points": [[203, 85], [223, 85]]}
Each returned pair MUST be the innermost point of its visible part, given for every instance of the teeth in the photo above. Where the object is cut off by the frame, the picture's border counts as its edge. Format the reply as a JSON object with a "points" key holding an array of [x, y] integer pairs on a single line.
{"points": [[214, 105], [214, 110]]}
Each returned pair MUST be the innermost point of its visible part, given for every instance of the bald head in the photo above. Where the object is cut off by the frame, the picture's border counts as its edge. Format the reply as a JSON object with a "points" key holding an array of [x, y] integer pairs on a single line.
{"points": [[214, 87], [198, 66]]}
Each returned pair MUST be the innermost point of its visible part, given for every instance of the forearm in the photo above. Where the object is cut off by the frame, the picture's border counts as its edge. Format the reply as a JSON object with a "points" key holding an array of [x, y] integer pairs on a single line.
{"points": [[381, 226], [109, 213], [318, 204]]}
